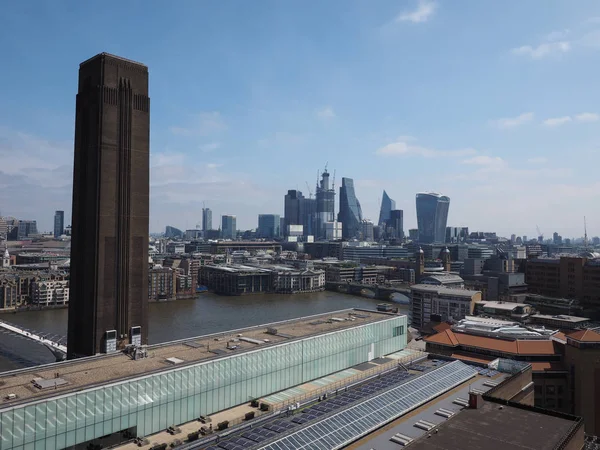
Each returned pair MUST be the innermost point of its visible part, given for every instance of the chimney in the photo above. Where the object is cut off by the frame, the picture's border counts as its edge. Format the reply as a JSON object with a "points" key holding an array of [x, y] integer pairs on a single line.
{"points": [[475, 400]]}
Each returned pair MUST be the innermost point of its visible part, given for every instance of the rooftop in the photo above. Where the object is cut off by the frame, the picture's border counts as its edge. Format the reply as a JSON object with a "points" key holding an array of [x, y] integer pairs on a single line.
{"points": [[109, 55], [561, 317], [102, 369], [499, 427], [508, 306], [446, 278], [585, 336], [441, 290], [512, 347], [234, 268]]}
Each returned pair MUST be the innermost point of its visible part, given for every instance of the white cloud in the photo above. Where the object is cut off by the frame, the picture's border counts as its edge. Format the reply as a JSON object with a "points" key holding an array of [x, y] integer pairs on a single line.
{"points": [[36, 176], [582, 117], [587, 117], [213, 165], [487, 162], [400, 148], [210, 147], [537, 160], [202, 124], [557, 35], [557, 121], [512, 122], [282, 139], [425, 9], [325, 113], [543, 50]]}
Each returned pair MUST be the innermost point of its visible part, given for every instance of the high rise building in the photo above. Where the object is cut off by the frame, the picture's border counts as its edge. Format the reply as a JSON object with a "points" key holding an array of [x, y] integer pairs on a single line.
{"points": [[293, 208], [396, 223], [26, 228], [387, 205], [432, 216], [350, 211], [333, 231], [108, 305], [325, 198], [172, 232], [206, 219], [268, 226], [299, 210], [59, 224], [228, 226], [366, 230]]}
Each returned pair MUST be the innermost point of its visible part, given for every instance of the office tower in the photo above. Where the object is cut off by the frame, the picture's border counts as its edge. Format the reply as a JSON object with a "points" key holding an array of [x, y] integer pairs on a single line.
{"points": [[432, 216], [366, 230], [350, 211], [26, 228], [59, 224], [396, 222], [387, 205], [293, 208], [206, 219], [325, 197], [172, 232], [299, 210], [309, 216], [268, 226], [228, 226], [108, 305], [333, 231]]}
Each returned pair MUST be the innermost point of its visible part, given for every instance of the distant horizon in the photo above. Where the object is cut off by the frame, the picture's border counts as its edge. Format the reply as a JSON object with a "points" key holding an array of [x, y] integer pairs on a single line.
{"points": [[493, 105]]}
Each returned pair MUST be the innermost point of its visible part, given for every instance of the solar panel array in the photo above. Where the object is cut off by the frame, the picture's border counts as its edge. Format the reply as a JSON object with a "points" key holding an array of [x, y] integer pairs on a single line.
{"points": [[346, 426], [270, 430]]}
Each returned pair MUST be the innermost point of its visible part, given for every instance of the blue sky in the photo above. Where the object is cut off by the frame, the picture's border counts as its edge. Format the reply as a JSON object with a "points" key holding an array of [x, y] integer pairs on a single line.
{"points": [[495, 104]]}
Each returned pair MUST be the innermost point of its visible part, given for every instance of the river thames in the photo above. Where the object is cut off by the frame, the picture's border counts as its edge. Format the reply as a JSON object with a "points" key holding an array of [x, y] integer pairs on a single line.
{"points": [[208, 313]]}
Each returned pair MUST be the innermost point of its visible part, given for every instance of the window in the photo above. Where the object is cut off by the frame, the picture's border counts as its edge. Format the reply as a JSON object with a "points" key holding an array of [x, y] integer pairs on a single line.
{"points": [[398, 331]]}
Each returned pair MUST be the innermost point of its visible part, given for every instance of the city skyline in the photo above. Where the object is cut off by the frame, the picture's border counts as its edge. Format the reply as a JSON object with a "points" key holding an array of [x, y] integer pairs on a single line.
{"points": [[340, 94]]}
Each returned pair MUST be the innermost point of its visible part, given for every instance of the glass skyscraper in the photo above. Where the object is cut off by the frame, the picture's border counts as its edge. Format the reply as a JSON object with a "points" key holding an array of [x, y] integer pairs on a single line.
{"points": [[387, 205], [350, 211], [228, 227], [206, 219], [268, 226], [59, 224], [432, 216]]}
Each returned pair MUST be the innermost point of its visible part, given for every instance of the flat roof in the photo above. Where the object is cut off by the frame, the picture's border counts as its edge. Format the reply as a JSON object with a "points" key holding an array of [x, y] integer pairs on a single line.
{"points": [[103, 369], [561, 317], [498, 427], [508, 306], [443, 290], [109, 55], [236, 268]]}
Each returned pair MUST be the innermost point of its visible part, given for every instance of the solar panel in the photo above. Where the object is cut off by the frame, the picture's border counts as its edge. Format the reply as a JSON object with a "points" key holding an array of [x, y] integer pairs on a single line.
{"points": [[254, 437], [340, 429], [228, 445], [284, 423]]}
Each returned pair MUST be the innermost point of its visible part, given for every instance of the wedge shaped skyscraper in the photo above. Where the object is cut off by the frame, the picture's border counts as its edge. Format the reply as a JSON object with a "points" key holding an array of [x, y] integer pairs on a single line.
{"points": [[432, 216], [350, 211]]}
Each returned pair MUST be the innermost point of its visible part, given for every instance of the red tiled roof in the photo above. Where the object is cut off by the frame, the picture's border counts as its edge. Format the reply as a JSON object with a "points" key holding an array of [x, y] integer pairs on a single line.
{"points": [[442, 327], [518, 347], [585, 336], [478, 359], [546, 366]]}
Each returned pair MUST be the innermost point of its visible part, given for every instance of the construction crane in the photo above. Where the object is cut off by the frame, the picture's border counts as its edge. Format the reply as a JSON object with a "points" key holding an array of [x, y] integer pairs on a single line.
{"points": [[585, 238], [309, 191], [540, 234], [333, 181]]}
